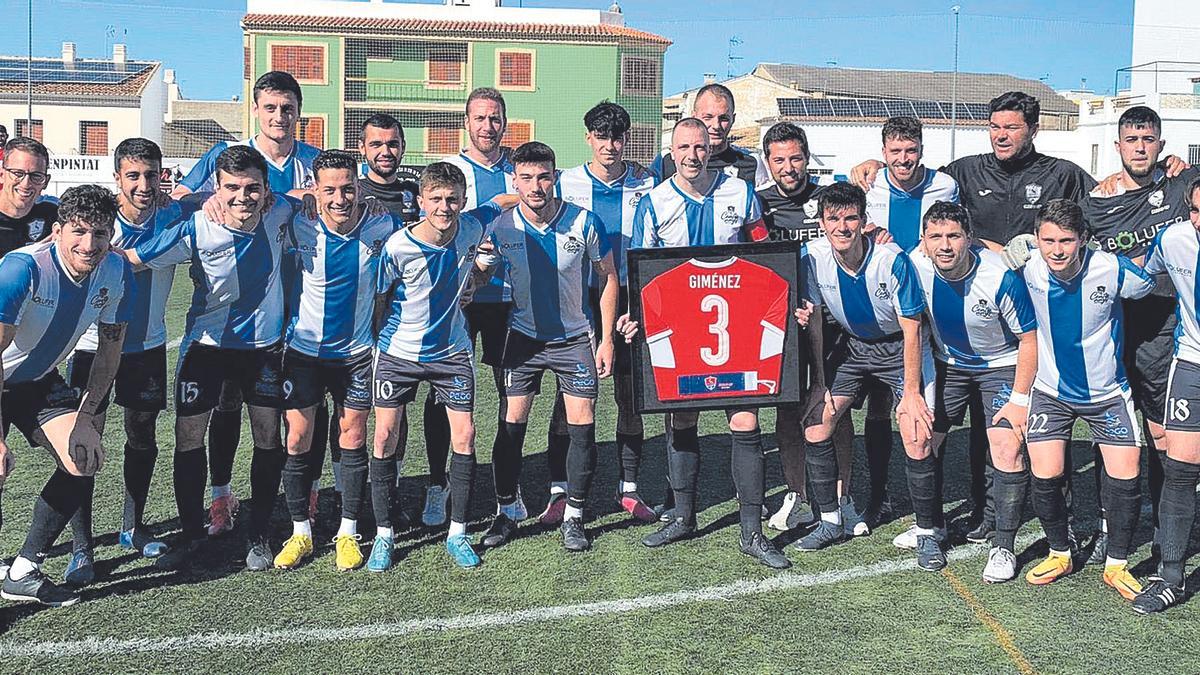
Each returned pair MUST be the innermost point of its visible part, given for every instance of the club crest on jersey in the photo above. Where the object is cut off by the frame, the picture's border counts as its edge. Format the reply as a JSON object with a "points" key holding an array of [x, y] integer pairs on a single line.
{"points": [[730, 217], [37, 228], [1033, 192], [101, 299], [983, 309], [1100, 295], [376, 248], [637, 197], [573, 245], [810, 208], [1156, 198], [882, 292]]}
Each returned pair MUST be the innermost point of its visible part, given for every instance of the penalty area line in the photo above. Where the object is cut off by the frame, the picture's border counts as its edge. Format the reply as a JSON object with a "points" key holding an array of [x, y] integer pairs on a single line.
{"points": [[92, 647]]}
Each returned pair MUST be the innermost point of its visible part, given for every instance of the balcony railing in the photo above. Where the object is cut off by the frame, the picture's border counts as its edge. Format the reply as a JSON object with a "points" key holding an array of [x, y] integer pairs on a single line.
{"points": [[405, 91]]}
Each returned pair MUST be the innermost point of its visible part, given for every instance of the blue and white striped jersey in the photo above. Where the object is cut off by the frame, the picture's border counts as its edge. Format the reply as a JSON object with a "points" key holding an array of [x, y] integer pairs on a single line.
{"points": [[667, 217], [329, 283], [238, 298], [900, 212], [976, 319], [147, 327], [1176, 251], [424, 322], [867, 303], [1079, 325], [549, 268], [50, 310], [294, 172], [613, 203], [484, 183]]}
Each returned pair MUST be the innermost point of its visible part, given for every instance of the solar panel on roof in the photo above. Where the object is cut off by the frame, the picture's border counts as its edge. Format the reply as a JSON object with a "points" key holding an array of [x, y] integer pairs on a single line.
{"points": [[79, 72], [790, 107], [898, 108], [845, 107], [928, 109], [871, 108], [819, 107], [978, 111]]}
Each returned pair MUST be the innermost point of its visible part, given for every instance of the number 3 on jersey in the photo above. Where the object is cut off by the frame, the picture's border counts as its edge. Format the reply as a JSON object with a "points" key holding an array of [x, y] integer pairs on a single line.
{"points": [[719, 327]]}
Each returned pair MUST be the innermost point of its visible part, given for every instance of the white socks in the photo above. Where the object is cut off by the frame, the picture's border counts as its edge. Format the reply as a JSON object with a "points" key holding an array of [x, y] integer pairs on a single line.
{"points": [[626, 486], [348, 526], [385, 532], [456, 529], [558, 488], [21, 568], [833, 517], [301, 527], [572, 512]]}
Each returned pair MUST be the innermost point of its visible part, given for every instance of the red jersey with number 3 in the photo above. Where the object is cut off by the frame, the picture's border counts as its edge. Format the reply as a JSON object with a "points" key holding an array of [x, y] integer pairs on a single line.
{"points": [[715, 329]]}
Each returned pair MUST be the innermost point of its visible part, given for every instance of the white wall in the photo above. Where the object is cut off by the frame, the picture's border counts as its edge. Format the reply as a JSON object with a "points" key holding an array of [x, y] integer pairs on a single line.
{"points": [[154, 109], [1165, 30], [61, 123], [1098, 126]]}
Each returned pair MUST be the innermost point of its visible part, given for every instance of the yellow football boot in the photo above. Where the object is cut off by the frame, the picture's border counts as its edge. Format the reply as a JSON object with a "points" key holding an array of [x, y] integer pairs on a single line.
{"points": [[1054, 566], [348, 555], [1118, 577], [295, 550]]}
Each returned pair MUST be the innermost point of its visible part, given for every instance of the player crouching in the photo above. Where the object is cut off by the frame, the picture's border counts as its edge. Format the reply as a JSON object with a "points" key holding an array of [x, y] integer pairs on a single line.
{"points": [[1076, 294], [428, 270], [872, 292]]}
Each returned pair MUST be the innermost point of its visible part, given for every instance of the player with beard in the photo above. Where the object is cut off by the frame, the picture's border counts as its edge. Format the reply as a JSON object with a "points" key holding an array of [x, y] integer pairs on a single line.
{"points": [[549, 248], [381, 143], [985, 344], [50, 292], [789, 208], [141, 383], [1175, 252], [1002, 190], [1146, 202], [715, 107], [489, 172]]}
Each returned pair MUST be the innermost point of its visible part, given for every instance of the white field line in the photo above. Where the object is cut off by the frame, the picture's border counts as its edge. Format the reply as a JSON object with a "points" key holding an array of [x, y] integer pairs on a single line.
{"points": [[278, 638]]}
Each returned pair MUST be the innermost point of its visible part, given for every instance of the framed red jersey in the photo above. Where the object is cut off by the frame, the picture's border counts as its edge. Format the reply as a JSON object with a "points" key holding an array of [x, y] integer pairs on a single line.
{"points": [[716, 326]]}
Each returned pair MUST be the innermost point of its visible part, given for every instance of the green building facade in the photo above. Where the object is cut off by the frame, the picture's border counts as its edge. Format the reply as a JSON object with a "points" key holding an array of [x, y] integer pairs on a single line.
{"points": [[421, 71]]}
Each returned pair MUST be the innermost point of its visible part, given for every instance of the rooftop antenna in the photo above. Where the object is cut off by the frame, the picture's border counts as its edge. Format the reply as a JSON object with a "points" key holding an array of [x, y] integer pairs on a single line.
{"points": [[731, 58]]}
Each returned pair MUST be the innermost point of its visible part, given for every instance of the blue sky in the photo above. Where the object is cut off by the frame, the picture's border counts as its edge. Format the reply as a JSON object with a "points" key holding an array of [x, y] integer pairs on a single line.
{"points": [[1060, 41]]}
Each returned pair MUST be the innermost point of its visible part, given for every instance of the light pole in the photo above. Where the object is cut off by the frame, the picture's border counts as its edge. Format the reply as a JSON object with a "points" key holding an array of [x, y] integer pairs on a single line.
{"points": [[954, 87], [29, 78]]}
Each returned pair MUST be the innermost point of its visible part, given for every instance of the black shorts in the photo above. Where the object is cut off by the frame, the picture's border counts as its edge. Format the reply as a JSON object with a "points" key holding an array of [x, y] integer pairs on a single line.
{"points": [[1183, 397], [141, 382], [29, 405], [489, 321], [1149, 348], [255, 373], [572, 361], [622, 373], [853, 365], [306, 379], [451, 380], [1112, 421], [955, 387]]}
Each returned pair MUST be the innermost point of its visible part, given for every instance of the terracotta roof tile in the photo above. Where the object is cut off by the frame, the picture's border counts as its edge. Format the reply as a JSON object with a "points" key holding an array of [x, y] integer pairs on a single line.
{"points": [[347, 24]]}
